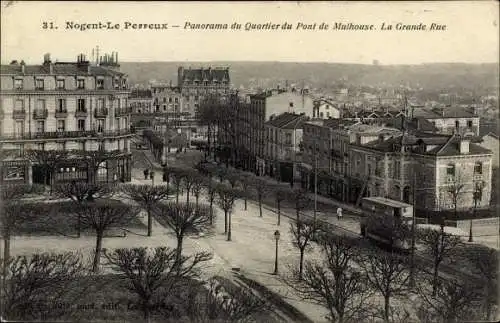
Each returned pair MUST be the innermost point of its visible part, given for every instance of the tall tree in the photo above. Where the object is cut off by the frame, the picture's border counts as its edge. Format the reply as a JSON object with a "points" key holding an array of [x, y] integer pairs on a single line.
{"points": [[246, 180], [153, 276], [226, 198], [102, 215], [177, 176], [302, 233], [336, 283], [148, 197], [81, 192], [211, 197], [48, 160], [190, 178], [387, 273], [455, 189], [438, 245], [183, 219], [261, 188], [197, 188]]}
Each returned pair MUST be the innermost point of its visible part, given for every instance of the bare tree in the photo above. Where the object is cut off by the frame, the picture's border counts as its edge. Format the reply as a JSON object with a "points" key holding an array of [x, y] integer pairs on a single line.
{"points": [[197, 186], [48, 160], [456, 189], [211, 196], [183, 219], [302, 233], [226, 198], [280, 194], [34, 284], [177, 174], [387, 273], [450, 301], [190, 177], [103, 215], [152, 276], [94, 159], [261, 188], [147, 196], [301, 200], [80, 192], [335, 283], [246, 180], [438, 245], [485, 264]]}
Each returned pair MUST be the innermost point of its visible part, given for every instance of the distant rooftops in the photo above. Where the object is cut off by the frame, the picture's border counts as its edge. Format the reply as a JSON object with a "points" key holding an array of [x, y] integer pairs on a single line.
{"points": [[141, 94], [288, 121], [219, 74], [447, 112]]}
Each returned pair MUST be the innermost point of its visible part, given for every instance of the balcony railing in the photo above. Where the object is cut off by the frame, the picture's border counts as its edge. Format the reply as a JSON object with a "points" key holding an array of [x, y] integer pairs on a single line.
{"points": [[65, 134], [123, 111], [19, 114], [40, 114], [100, 113], [61, 113], [81, 113]]}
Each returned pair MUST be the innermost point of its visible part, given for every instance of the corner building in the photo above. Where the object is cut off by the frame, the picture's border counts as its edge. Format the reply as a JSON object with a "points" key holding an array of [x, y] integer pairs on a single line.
{"points": [[64, 106]]}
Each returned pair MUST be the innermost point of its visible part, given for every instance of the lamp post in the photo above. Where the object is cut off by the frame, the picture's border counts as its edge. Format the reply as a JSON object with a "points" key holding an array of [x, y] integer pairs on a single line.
{"points": [[276, 238]]}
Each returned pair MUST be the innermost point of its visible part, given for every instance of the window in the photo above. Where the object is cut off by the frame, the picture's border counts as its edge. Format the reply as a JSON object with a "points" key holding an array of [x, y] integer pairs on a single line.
{"points": [[81, 145], [176, 100], [100, 104], [100, 125], [196, 98], [117, 123], [469, 123], [100, 145], [81, 105], [450, 170], [288, 139], [19, 129], [61, 105], [40, 126], [18, 84], [478, 168], [100, 84], [169, 100], [20, 150], [19, 105], [60, 84], [61, 146], [397, 169], [39, 85], [81, 124], [457, 124], [116, 83], [61, 125], [40, 146], [328, 114], [81, 84], [40, 105], [321, 114]]}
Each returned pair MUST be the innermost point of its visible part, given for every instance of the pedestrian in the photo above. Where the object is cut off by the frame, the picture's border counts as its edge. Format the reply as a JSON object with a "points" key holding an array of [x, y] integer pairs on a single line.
{"points": [[146, 172], [339, 213]]}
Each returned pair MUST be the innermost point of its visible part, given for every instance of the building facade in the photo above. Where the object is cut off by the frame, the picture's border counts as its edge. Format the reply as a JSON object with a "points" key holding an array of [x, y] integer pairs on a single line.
{"points": [[71, 106]]}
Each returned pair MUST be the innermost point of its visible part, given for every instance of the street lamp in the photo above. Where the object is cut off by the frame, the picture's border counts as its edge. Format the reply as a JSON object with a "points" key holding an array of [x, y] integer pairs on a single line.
{"points": [[277, 238]]}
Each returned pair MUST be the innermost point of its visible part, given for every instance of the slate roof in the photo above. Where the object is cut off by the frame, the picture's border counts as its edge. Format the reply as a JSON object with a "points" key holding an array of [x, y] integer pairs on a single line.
{"points": [[58, 68], [288, 121], [447, 112], [209, 74], [446, 145]]}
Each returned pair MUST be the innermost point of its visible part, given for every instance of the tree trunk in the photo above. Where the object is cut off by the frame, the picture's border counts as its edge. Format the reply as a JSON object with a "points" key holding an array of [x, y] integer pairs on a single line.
{"points": [[180, 237], [297, 213], [79, 226], [260, 206], [187, 195], [150, 222], [301, 264], [245, 203], [211, 211], [145, 311], [387, 307], [225, 221], [279, 213], [229, 227], [97, 255], [177, 195], [197, 197], [435, 279]]}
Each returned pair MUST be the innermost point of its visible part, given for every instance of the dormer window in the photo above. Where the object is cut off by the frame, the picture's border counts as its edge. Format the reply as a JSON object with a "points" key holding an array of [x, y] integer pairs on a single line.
{"points": [[18, 84], [81, 84], [100, 84], [39, 84], [60, 84]]}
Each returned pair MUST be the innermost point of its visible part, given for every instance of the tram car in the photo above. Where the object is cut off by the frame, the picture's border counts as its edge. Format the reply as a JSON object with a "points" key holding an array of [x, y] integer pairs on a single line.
{"points": [[387, 222]]}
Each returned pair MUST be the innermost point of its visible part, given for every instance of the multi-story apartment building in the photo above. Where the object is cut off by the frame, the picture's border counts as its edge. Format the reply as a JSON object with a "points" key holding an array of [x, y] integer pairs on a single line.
{"points": [[196, 84], [450, 120], [167, 99], [141, 101], [253, 116], [441, 167], [64, 106], [283, 145], [326, 154], [325, 109]]}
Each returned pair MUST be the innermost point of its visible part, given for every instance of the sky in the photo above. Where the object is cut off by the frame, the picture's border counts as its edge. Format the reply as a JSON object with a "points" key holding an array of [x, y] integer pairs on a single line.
{"points": [[471, 34]]}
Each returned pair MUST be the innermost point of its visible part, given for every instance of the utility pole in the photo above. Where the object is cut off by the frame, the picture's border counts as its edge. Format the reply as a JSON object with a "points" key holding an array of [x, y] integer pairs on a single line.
{"points": [[413, 225]]}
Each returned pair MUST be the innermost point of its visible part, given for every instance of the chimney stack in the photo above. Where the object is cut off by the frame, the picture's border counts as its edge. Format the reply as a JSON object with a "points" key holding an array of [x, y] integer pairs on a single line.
{"points": [[46, 58], [464, 145], [23, 67]]}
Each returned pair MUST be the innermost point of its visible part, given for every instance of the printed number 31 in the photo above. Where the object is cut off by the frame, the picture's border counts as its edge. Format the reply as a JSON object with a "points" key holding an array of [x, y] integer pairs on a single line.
{"points": [[48, 25]]}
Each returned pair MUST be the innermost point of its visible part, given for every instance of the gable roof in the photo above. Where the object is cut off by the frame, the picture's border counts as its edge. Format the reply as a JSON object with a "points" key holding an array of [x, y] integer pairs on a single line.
{"points": [[209, 74], [287, 121]]}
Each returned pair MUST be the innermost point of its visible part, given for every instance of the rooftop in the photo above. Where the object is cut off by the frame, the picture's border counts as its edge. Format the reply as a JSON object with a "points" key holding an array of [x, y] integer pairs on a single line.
{"points": [[200, 74], [447, 112], [140, 94], [288, 121], [58, 68]]}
